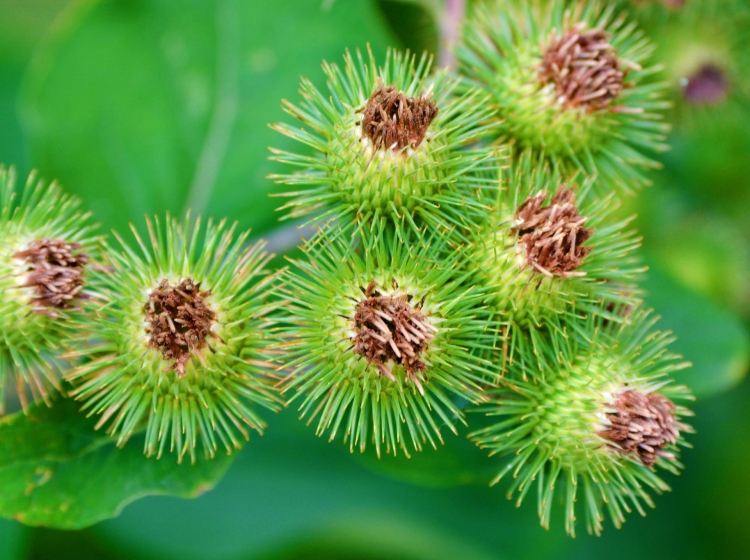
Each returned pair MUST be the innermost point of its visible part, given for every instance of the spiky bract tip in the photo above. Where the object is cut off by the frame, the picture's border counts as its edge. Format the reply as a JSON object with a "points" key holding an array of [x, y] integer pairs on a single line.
{"points": [[571, 84], [595, 426], [390, 142], [181, 330], [47, 243], [383, 340]]}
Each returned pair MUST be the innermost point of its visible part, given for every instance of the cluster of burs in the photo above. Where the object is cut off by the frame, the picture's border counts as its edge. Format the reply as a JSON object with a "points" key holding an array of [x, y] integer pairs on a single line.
{"points": [[468, 267]]}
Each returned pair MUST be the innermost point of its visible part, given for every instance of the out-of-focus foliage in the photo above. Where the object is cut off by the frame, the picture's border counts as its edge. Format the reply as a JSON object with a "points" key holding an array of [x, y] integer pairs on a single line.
{"points": [[141, 106]]}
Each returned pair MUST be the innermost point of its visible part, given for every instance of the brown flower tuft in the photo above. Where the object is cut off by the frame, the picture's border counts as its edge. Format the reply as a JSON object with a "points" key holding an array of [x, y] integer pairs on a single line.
{"points": [[553, 235], [179, 322], [584, 68], [706, 86], [388, 329], [54, 271], [642, 425], [393, 120]]}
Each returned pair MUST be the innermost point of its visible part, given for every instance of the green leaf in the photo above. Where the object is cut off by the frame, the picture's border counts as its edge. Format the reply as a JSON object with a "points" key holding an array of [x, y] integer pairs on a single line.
{"points": [[456, 463], [153, 105], [415, 22], [711, 337], [57, 471]]}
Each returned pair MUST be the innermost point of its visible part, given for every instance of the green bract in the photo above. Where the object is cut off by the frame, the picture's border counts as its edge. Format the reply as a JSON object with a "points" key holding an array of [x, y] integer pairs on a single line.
{"points": [[594, 424], [570, 85], [180, 340], [389, 142], [549, 252], [349, 307], [45, 245]]}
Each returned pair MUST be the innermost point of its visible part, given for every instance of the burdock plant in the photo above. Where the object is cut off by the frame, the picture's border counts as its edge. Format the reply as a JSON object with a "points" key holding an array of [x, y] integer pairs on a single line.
{"points": [[571, 84], [391, 143], [384, 340], [595, 425], [46, 247], [179, 343]]}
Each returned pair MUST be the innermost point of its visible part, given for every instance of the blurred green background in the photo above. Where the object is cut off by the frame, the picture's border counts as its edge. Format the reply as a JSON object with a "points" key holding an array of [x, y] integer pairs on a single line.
{"points": [[142, 106]]}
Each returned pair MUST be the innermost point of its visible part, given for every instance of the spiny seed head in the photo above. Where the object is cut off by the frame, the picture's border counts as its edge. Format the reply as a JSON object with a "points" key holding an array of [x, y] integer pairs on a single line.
{"points": [[180, 350], [593, 422], [389, 141], [708, 85], [381, 339], [570, 82], [642, 425], [584, 69], [54, 270], [46, 243], [179, 322], [392, 120], [553, 235], [548, 259]]}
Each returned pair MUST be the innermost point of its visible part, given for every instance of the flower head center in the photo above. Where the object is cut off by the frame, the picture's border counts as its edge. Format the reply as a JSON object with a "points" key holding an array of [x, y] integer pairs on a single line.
{"points": [[552, 235], [706, 86], [642, 425], [179, 322], [54, 271], [390, 330], [393, 120], [584, 69]]}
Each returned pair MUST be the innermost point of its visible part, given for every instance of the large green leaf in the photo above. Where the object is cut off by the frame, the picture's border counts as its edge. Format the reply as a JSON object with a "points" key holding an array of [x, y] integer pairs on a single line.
{"points": [[152, 105], [57, 471], [415, 22], [711, 337]]}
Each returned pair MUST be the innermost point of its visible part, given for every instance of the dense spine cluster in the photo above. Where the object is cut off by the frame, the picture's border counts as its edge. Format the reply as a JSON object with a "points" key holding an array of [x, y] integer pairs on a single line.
{"points": [[467, 260]]}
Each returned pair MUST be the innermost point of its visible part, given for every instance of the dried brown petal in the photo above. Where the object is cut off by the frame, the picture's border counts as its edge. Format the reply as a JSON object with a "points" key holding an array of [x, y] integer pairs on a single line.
{"points": [[584, 69], [393, 120], [553, 235], [388, 329], [179, 322], [642, 425], [54, 270]]}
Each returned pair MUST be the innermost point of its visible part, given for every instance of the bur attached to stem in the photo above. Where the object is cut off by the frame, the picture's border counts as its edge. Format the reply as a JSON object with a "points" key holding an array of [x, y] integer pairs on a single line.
{"points": [[548, 252], [383, 339], [391, 143], [180, 340], [47, 245], [571, 86], [594, 428]]}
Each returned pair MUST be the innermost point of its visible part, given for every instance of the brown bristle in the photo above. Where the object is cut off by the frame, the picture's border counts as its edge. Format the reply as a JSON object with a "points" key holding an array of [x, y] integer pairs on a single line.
{"points": [[553, 235], [706, 86], [642, 425], [179, 322], [55, 272], [388, 329], [393, 120], [584, 69]]}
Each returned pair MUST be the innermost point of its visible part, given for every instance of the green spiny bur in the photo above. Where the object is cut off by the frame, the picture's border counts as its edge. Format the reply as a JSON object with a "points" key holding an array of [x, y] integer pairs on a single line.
{"points": [[604, 121], [349, 304], [181, 336], [48, 244], [547, 252], [391, 143], [596, 424]]}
